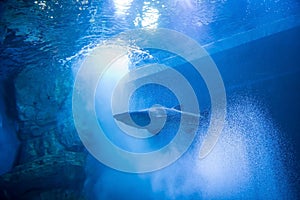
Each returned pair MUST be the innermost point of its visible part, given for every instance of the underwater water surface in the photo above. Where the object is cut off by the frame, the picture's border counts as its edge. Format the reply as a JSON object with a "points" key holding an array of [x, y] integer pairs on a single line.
{"points": [[255, 46]]}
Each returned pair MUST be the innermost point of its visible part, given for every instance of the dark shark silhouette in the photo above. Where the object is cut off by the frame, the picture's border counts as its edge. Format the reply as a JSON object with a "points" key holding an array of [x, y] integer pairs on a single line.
{"points": [[142, 118]]}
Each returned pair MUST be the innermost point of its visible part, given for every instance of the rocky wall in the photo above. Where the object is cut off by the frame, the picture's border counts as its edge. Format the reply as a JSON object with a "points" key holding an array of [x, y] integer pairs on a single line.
{"points": [[51, 158]]}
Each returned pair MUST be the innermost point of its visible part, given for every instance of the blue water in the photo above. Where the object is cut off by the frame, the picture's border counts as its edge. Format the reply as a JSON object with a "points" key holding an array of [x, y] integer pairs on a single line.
{"points": [[63, 30], [255, 45]]}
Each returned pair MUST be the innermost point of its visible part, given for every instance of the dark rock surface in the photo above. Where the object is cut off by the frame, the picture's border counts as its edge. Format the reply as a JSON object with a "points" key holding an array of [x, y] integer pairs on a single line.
{"points": [[8, 138], [51, 158], [40, 96], [57, 176]]}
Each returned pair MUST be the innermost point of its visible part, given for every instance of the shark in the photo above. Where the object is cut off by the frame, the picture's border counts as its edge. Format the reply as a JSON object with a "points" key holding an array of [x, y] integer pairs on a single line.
{"points": [[157, 115]]}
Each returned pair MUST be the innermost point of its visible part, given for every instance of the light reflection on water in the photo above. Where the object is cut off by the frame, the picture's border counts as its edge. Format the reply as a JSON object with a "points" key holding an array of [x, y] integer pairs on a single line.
{"points": [[61, 29]]}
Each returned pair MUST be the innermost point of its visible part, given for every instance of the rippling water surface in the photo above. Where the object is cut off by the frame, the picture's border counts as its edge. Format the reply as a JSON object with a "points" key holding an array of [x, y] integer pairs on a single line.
{"points": [[55, 33]]}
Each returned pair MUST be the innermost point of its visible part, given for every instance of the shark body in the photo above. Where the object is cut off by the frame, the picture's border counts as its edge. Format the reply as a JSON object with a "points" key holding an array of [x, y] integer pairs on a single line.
{"points": [[142, 118]]}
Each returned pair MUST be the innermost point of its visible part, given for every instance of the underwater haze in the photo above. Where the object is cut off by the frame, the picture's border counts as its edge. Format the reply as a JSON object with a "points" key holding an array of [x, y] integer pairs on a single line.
{"points": [[46, 140]]}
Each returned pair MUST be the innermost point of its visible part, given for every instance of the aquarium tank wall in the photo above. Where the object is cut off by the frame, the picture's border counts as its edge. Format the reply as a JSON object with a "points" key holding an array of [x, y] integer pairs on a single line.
{"points": [[149, 99]]}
